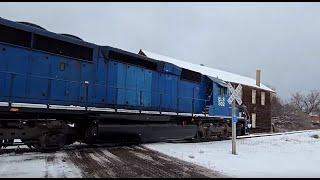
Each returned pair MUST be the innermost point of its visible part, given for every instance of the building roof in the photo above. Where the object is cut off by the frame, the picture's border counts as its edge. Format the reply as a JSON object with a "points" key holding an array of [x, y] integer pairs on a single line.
{"points": [[223, 75]]}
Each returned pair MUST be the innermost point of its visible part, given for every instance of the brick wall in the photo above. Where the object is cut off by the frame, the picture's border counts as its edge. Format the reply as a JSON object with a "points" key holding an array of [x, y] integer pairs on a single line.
{"points": [[263, 112]]}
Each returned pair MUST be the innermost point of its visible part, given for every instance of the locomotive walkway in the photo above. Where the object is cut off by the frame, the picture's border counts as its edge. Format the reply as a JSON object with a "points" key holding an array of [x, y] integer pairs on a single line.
{"points": [[125, 161]]}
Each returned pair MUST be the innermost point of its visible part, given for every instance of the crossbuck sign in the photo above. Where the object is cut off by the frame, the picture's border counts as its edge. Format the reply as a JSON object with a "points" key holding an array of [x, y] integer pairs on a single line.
{"points": [[235, 94]]}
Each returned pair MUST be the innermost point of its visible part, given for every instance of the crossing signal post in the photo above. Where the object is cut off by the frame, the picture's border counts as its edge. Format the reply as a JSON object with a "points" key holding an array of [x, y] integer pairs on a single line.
{"points": [[235, 96], [234, 128]]}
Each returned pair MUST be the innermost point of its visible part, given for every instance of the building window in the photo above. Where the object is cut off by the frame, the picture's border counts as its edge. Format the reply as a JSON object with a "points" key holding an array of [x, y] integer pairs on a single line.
{"points": [[253, 120], [254, 92], [263, 97]]}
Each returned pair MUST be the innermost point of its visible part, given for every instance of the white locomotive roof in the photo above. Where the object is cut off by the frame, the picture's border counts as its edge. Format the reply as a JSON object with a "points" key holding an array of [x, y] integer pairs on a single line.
{"points": [[216, 73]]}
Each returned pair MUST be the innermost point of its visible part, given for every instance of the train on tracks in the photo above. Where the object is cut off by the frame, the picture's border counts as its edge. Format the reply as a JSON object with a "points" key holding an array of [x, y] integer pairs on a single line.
{"points": [[56, 89]]}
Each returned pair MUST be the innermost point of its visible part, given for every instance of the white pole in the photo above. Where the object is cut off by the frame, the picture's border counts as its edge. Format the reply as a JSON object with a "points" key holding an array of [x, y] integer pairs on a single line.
{"points": [[234, 132]]}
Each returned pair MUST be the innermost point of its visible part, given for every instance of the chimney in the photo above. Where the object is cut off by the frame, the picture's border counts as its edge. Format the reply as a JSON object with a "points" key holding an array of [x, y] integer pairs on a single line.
{"points": [[258, 72]]}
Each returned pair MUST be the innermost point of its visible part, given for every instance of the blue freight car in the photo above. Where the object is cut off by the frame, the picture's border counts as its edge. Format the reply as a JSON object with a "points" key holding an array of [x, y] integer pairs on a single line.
{"points": [[57, 88]]}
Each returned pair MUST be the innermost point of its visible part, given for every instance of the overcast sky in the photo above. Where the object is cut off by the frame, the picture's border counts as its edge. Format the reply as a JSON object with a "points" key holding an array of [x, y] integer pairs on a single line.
{"points": [[281, 39]]}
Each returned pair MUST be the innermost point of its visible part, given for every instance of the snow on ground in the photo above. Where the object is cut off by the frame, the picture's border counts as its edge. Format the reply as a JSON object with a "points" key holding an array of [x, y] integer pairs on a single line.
{"points": [[289, 155], [37, 165]]}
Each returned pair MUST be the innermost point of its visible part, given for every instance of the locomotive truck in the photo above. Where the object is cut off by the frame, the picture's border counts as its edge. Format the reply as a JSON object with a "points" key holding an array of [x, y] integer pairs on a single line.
{"points": [[56, 89]]}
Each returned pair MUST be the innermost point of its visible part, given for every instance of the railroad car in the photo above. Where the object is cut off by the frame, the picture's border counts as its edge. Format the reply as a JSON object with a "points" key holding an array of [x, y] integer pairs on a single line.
{"points": [[56, 89]]}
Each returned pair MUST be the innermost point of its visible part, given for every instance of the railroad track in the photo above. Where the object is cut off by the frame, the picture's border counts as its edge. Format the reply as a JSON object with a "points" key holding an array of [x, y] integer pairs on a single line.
{"points": [[15, 148], [274, 134], [19, 150], [243, 137]]}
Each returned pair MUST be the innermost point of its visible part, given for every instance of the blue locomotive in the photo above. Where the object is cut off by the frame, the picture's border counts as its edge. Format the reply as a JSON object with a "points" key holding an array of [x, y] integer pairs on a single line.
{"points": [[56, 89]]}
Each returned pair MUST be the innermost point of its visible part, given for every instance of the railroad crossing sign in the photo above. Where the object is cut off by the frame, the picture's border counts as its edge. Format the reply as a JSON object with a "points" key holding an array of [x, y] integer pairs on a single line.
{"points": [[235, 94]]}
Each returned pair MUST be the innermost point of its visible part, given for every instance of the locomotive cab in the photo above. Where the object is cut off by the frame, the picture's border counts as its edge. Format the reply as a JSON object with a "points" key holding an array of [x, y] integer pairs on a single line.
{"points": [[220, 112], [218, 98]]}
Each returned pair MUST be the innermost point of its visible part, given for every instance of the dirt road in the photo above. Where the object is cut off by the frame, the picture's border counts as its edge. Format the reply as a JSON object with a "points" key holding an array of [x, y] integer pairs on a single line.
{"points": [[125, 161]]}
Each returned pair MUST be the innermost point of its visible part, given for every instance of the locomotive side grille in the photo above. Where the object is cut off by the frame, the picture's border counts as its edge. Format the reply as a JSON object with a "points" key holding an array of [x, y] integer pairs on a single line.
{"points": [[132, 60], [190, 75], [62, 47], [15, 36]]}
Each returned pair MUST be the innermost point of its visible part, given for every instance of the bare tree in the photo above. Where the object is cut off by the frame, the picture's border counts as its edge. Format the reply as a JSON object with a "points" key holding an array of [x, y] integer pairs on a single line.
{"points": [[297, 100], [312, 102], [294, 115], [276, 106], [309, 103]]}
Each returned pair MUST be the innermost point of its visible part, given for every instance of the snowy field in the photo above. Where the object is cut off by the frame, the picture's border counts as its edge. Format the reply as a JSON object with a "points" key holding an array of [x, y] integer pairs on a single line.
{"points": [[36, 165], [102, 162], [290, 155]]}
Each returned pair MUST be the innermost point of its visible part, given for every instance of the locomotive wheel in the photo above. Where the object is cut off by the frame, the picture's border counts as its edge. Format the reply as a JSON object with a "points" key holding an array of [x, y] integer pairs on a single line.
{"points": [[5, 142], [50, 141], [199, 135], [90, 135], [1, 143], [31, 144]]}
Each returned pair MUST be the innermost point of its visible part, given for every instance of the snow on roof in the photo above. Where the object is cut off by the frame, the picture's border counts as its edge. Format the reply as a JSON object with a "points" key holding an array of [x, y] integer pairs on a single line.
{"points": [[224, 75]]}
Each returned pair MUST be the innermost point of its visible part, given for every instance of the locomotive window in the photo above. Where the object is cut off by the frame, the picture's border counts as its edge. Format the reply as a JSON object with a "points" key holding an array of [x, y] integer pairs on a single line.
{"points": [[15, 36], [221, 91], [62, 47], [190, 75], [132, 60]]}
